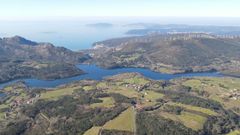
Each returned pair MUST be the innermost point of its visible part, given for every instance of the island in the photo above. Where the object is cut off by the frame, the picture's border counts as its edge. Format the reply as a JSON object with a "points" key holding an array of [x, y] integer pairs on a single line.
{"points": [[100, 25]]}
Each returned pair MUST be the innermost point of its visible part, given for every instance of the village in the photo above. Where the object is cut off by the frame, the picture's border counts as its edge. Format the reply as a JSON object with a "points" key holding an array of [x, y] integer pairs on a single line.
{"points": [[16, 97], [233, 94]]}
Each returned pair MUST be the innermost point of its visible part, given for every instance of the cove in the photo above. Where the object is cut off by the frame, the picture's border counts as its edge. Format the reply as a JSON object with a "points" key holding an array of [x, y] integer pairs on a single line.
{"points": [[96, 73]]}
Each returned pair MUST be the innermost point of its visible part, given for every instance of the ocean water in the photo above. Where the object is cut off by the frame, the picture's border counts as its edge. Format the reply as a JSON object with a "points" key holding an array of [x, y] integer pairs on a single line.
{"points": [[74, 35]]}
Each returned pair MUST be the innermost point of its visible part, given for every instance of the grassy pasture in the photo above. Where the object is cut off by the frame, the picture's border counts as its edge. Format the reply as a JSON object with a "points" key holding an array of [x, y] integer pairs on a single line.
{"points": [[107, 102], [217, 88], [152, 95], [128, 92], [236, 132], [136, 80], [222, 83], [190, 120], [93, 131], [102, 85], [2, 106], [55, 94], [124, 122], [87, 88], [195, 108]]}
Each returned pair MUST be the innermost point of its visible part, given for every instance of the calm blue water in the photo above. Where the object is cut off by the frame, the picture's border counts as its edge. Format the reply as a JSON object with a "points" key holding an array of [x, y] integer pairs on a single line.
{"points": [[2, 95], [74, 35], [97, 73]]}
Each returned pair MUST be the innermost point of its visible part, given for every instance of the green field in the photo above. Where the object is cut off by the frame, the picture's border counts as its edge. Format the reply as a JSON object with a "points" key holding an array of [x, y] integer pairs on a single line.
{"points": [[136, 80], [55, 94], [2, 106], [133, 57], [102, 85], [93, 131], [190, 120], [236, 132], [223, 83], [9, 88], [153, 96], [194, 83], [128, 92], [88, 88], [107, 102], [124, 122], [217, 88], [195, 108]]}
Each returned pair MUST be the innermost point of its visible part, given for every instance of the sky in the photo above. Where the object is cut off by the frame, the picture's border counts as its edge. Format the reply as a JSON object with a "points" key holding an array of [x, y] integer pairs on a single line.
{"points": [[30, 9]]}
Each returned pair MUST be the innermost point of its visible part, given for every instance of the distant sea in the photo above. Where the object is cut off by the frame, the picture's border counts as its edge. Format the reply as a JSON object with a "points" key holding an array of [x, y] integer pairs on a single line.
{"points": [[72, 35], [77, 34]]}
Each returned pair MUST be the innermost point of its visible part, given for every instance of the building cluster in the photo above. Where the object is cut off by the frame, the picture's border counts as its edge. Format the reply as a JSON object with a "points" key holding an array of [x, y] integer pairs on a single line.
{"points": [[19, 102], [234, 94], [137, 87]]}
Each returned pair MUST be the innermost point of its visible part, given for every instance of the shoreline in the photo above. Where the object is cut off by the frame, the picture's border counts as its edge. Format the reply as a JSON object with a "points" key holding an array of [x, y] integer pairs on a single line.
{"points": [[98, 73]]}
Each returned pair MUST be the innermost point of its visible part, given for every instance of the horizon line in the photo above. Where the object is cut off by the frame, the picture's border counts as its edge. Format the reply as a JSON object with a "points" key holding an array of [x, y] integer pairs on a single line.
{"points": [[105, 17]]}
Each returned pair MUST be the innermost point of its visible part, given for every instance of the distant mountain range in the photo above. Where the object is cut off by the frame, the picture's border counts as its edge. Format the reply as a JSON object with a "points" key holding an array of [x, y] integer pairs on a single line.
{"points": [[170, 53], [146, 28]]}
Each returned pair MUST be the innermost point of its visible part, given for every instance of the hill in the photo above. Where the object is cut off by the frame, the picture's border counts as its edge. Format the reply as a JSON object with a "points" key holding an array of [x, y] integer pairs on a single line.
{"points": [[20, 58], [170, 53], [20, 48], [148, 28]]}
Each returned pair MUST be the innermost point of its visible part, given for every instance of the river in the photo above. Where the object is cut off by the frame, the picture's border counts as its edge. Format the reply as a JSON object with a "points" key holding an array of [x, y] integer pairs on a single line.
{"points": [[96, 73]]}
